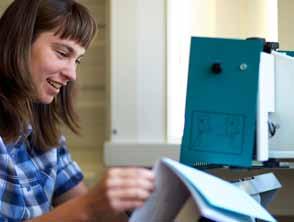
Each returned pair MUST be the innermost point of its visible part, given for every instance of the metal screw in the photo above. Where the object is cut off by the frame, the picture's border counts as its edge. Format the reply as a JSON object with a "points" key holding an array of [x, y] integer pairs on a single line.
{"points": [[243, 66], [114, 131]]}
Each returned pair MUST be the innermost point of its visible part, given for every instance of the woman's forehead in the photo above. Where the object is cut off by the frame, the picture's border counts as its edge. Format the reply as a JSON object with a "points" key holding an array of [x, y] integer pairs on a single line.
{"points": [[52, 39]]}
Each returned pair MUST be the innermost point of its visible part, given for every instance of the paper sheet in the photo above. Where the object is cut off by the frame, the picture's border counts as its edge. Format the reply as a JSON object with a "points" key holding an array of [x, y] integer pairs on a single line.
{"points": [[214, 198]]}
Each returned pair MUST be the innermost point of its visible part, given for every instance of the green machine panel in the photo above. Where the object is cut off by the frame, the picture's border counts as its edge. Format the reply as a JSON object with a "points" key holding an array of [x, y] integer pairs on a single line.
{"points": [[221, 102]]}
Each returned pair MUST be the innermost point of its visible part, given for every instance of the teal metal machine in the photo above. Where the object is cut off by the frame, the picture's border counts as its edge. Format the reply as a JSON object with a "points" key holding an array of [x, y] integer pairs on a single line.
{"points": [[224, 104], [221, 101]]}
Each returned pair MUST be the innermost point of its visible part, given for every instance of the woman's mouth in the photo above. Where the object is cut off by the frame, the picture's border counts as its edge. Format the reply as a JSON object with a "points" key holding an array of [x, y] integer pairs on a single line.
{"points": [[54, 84]]}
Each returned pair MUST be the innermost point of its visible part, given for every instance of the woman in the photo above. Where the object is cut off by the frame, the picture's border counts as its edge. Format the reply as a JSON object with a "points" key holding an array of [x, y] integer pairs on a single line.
{"points": [[42, 42]]}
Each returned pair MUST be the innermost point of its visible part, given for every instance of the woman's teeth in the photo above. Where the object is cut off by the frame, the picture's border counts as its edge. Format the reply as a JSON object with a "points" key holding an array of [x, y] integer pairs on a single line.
{"points": [[56, 85]]}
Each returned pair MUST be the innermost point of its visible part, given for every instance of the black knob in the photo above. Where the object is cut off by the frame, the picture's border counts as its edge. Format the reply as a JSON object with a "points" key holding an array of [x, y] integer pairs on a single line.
{"points": [[270, 46], [216, 68]]}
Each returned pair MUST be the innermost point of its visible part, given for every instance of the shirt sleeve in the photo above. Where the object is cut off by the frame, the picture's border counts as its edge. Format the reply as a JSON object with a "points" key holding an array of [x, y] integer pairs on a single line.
{"points": [[68, 172]]}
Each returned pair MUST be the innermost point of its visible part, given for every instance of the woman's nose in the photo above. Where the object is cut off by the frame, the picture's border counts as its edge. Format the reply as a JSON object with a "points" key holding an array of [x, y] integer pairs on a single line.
{"points": [[70, 72]]}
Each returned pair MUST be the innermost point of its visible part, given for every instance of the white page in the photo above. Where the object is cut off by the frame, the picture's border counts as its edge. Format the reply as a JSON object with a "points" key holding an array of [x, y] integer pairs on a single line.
{"points": [[214, 213], [220, 193], [166, 201], [170, 196]]}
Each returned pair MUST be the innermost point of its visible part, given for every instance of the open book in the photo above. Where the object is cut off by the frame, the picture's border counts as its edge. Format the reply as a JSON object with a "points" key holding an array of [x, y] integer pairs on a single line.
{"points": [[202, 194]]}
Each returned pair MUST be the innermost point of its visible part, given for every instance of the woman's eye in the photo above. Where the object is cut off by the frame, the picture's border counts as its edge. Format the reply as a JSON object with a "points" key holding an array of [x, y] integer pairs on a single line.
{"points": [[78, 61], [62, 54]]}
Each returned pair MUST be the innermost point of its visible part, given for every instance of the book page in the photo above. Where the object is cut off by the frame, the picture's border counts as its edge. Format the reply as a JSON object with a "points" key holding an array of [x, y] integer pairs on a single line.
{"points": [[219, 195], [166, 201]]}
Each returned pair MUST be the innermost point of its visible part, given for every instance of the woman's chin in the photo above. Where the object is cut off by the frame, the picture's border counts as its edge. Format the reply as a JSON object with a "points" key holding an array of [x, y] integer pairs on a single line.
{"points": [[46, 99]]}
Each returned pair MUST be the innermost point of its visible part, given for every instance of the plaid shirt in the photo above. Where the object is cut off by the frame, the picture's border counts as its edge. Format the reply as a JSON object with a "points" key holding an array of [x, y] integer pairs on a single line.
{"points": [[31, 179]]}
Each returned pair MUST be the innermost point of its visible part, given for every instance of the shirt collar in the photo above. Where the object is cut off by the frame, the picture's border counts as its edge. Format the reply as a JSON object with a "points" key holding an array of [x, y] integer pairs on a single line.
{"points": [[24, 135]]}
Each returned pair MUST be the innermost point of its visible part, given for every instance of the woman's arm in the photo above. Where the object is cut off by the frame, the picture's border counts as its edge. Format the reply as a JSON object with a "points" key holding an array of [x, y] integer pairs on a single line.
{"points": [[79, 210], [119, 190], [78, 190], [82, 189]]}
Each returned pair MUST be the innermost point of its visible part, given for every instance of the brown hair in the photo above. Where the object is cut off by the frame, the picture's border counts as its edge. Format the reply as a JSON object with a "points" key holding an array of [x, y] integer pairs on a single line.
{"points": [[20, 25]]}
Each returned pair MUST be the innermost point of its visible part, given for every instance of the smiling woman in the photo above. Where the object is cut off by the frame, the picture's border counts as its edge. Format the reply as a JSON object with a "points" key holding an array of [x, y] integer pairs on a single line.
{"points": [[53, 64], [68, 22], [39, 181]]}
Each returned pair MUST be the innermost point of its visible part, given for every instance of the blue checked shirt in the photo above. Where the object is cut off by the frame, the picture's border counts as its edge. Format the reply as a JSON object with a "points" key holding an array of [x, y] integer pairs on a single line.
{"points": [[31, 179]]}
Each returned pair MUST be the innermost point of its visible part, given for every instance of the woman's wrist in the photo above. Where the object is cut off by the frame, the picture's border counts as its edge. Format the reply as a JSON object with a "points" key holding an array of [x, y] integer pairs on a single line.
{"points": [[97, 209], [93, 206], [88, 207]]}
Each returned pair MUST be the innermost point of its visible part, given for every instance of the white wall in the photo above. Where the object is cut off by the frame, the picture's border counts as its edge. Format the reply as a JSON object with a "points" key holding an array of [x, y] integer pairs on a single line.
{"points": [[137, 54], [179, 28], [138, 81], [236, 18], [286, 18], [203, 17]]}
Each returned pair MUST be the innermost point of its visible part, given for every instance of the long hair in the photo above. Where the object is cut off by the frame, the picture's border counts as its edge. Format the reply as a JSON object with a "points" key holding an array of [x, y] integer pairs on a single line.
{"points": [[20, 26]]}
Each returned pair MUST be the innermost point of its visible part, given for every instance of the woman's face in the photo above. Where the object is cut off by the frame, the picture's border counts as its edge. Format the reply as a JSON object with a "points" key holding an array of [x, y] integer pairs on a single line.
{"points": [[53, 63]]}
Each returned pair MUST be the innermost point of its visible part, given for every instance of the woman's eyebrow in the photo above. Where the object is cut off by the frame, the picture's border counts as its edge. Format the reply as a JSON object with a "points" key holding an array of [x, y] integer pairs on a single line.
{"points": [[64, 46], [70, 49]]}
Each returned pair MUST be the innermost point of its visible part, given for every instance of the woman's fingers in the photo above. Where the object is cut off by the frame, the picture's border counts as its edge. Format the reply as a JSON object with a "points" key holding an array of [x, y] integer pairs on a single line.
{"points": [[135, 194], [130, 177], [127, 199], [121, 206], [125, 183], [128, 188], [131, 173]]}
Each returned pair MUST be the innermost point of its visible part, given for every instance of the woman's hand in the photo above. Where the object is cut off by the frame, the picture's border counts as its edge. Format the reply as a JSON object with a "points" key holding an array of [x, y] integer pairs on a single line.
{"points": [[122, 189]]}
